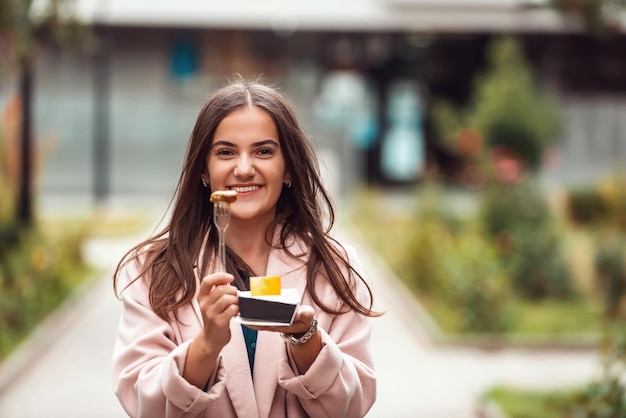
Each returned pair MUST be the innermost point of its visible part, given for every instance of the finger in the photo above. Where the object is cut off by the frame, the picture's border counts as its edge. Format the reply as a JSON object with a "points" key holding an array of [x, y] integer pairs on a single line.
{"points": [[301, 323], [222, 319], [213, 307], [305, 314], [216, 279]]}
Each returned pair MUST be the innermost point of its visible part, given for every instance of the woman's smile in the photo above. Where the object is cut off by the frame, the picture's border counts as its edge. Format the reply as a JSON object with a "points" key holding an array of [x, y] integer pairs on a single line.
{"points": [[243, 190]]}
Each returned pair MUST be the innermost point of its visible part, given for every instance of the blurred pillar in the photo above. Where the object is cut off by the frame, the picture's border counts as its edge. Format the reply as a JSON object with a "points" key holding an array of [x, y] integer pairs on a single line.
{"points": [[101, 125], [25, 188]]}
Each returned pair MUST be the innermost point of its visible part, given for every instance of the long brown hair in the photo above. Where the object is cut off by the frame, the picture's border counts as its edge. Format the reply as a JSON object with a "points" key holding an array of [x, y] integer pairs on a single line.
{"points": [[169, 257]]}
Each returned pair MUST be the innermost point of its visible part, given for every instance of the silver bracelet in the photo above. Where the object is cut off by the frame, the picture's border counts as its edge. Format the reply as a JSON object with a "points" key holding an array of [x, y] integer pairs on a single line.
{"points": [[306, 337]]}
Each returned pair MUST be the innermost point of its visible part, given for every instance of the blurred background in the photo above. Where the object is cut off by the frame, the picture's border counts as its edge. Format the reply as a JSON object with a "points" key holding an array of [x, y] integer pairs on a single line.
{"points": [[474, 148]]}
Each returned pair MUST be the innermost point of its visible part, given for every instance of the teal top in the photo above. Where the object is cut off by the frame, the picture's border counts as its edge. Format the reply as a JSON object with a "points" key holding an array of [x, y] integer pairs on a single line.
{"points": [[250, 336]]}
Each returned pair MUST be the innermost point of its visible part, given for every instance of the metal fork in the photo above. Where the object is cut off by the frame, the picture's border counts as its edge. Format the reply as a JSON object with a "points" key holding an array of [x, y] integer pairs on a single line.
{"points": [[221, 219]]}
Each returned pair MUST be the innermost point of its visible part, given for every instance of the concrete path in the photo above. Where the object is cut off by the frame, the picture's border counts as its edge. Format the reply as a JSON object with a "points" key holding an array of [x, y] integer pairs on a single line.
{"points": [[64, 370]]}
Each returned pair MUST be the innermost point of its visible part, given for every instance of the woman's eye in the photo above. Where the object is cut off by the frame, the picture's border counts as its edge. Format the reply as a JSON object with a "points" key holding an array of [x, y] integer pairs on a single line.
{"points": [[265, 151], [224, 152]]}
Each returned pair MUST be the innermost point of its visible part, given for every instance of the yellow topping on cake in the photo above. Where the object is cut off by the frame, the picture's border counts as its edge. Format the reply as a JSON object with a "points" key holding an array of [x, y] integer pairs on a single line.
{"points": [[228, 196], [265, 286]]}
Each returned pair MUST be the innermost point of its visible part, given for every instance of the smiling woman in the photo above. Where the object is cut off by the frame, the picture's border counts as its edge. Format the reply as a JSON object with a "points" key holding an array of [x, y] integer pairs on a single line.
{"points": [[179, 350]]}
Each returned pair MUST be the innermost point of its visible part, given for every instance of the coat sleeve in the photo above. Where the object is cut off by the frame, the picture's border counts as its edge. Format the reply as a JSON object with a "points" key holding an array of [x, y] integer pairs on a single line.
{"points": [[341, 381], [148, 361]]}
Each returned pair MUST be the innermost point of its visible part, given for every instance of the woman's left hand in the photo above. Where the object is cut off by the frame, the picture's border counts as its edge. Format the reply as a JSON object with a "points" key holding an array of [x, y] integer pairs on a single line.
{"points": [[301, 323]]}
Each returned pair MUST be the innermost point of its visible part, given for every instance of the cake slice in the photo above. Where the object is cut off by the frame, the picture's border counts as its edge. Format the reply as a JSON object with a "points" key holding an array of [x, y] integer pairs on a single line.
{"points": [[265, 286]]}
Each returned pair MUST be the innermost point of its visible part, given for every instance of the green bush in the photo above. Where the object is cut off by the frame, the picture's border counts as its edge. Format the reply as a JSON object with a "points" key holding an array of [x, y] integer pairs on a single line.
{"points": [[425, 259], [613, 190], [504, 207], [602, 399], [516, 136], [453, 261], [478, 288], [37, 272], [610, 265], [537, 264], [606, 397], [587, 206], [428, 241], [599, 205], [518, 218], [508, 108]]}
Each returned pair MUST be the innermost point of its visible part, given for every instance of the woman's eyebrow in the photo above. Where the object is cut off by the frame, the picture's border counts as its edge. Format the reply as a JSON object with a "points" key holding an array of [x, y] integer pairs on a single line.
{"points": [[265, 142], [223, 144]]}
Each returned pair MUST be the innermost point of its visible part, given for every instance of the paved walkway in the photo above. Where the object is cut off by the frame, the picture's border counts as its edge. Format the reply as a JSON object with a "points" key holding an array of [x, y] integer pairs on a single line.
{"points": [[64, 369]]}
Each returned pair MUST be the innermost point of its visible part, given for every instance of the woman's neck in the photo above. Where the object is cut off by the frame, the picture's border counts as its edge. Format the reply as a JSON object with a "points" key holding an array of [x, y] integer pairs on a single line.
{"points": [[248, 241]]}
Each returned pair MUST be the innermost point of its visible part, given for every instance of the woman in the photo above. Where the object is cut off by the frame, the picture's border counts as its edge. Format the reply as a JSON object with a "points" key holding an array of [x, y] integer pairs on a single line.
{"points": [[179, 351]]}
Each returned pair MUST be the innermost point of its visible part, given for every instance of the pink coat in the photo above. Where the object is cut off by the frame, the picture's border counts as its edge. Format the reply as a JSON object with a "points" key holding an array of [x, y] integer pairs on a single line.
{"points": [[150, 354]]}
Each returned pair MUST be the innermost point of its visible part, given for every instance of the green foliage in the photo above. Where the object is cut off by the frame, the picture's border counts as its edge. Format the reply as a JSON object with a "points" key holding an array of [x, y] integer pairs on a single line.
{"points": [[613, 189], [556, 317], [516, 135], [26, 20], [537, 264], [531, 404], [599, 205], [38, 269], [610, 265], [507, 108], [428, 242], [606, 397], [457, 264], [599, 17], [507, 269], [518, 218], [37, 272], [477, 286], [505, 207], [587, 206], [603, 398]]}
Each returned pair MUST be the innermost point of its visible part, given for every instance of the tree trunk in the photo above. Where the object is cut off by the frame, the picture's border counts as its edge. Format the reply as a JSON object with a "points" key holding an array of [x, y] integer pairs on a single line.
{"points": [[24, 210]]}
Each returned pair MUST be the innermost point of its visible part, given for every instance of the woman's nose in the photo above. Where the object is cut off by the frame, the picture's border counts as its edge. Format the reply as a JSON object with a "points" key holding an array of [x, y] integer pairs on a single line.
{"points": [[244, 167]]}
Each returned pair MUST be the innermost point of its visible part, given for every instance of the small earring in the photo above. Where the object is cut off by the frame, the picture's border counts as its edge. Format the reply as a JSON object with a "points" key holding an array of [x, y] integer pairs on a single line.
{"points": [[288, 184], [204, 182]]}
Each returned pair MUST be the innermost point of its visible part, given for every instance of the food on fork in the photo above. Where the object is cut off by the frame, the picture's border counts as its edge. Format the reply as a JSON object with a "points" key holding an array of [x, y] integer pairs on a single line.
{"points": [[265, 286], [228, 196]]}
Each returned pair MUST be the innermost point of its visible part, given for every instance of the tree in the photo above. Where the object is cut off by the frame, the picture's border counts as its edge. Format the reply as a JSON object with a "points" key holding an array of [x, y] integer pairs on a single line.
{"points": [[599, 17], [508, 110], [26, 23]]}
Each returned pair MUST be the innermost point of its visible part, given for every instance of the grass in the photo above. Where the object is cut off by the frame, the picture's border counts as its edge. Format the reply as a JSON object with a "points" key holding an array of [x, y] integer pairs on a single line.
{"points": [[531, 404], [546, 317]]}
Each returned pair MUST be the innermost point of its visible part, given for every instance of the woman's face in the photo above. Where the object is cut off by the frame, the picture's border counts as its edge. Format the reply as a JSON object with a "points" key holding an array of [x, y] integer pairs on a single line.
{"points": [[245, 156]]}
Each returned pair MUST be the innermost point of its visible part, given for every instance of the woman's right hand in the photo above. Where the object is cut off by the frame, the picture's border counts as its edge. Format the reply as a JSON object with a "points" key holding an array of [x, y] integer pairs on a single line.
{"points": [[218, 302]]}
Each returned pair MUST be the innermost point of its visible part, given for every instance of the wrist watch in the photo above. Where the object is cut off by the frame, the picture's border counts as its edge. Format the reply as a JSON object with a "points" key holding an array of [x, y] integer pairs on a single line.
{"points": [[291, 339]]}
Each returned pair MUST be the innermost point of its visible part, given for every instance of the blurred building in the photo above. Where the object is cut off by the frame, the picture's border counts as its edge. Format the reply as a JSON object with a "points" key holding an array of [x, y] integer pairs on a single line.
{"points": [[115, 120]]}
